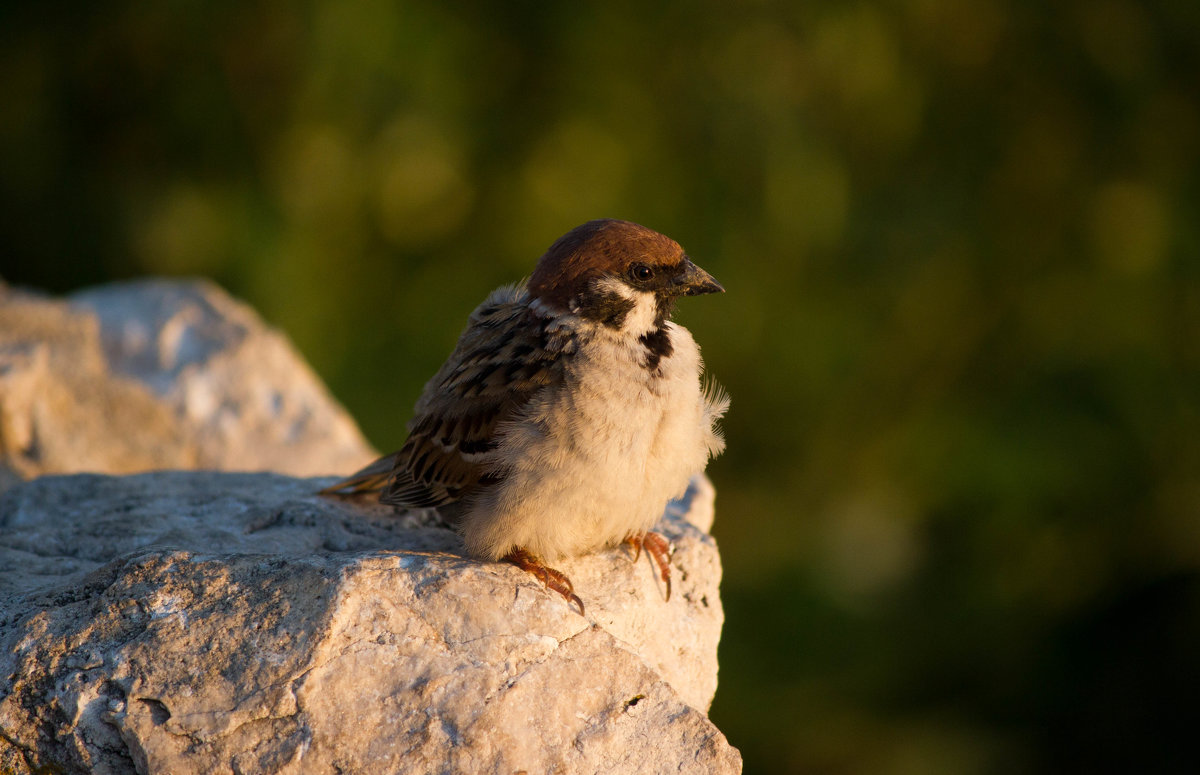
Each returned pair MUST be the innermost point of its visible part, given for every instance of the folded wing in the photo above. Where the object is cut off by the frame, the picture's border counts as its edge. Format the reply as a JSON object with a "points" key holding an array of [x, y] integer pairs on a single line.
{"points": [[503, 359]]}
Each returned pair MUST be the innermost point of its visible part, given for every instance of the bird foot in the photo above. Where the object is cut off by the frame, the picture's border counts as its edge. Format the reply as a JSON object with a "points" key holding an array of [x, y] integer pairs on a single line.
{"points": [[550, 578], [658, 549]]}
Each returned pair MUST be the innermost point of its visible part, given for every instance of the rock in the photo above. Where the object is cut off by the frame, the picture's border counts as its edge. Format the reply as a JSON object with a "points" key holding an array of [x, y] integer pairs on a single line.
{"points": [[199, 621], [180, 622], [159, 374], [60, 407]]}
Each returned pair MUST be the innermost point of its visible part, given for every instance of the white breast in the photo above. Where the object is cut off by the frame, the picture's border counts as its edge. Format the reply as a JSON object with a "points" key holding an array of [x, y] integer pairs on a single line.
{"points": [[598, 458]]}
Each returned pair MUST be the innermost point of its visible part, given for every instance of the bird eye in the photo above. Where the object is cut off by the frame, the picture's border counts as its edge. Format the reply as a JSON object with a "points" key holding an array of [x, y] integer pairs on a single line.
{"points": [[641, 272]]}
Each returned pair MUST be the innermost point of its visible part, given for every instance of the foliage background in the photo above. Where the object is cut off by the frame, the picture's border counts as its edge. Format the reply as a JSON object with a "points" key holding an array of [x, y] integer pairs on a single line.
{"points": [[959, 509]]}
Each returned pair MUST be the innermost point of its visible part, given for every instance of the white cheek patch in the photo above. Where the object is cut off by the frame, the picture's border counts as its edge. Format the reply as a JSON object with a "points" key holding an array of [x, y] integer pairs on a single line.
{"points": [[643, 317]]}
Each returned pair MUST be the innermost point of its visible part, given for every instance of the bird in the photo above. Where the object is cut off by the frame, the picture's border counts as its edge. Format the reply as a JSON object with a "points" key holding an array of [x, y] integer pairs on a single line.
{"points": [[571, 410]]}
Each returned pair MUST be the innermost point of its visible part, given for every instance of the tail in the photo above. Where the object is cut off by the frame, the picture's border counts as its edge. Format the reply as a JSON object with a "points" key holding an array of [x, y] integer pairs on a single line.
{"points": [[369, 480]]}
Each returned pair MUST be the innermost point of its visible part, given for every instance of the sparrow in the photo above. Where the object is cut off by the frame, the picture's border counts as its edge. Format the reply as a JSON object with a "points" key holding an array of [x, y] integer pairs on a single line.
{"points": [[570, 412]]}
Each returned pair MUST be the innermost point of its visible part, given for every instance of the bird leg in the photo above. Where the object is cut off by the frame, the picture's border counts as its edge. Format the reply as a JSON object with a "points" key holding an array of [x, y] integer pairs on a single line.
{"points": [[550, 578], [658, 549]]}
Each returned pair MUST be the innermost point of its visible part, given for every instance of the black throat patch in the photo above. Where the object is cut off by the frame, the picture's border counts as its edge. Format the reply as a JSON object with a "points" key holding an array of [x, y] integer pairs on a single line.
{"points": [[663, 308], [658, 346]]}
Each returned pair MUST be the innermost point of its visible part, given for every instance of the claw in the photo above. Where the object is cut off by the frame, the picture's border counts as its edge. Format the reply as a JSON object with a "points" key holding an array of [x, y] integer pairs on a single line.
{"points": [[659, 550], [636, 542], [550, 578]]}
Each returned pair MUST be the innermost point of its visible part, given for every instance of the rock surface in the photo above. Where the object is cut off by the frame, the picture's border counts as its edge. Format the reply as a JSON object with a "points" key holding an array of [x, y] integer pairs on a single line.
{"points": [[204, 622], [159, 374], [182, 622]]}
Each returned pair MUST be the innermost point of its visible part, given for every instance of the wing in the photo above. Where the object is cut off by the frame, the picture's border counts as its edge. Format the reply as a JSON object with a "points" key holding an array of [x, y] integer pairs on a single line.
{"points": [[506, 355]]}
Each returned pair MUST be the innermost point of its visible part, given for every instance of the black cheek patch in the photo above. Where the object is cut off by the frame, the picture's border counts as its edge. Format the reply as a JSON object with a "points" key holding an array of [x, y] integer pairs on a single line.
{"points": [[608, 308]]}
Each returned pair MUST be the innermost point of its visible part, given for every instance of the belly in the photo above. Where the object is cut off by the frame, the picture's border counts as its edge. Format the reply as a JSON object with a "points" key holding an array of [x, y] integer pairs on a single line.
{"points": [[589, 465]]}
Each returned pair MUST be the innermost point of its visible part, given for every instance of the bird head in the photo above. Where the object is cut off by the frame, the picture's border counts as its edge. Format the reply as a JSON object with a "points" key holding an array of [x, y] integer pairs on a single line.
{"points": [[618, 273]]}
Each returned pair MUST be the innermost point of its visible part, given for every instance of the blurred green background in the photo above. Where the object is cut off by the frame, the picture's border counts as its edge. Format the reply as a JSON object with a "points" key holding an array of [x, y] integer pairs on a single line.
{"points": [[959, 511]]}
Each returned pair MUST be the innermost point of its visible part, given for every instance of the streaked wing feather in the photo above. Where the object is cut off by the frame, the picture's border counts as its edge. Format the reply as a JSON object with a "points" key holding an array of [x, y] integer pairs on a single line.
{"points": [[502, 360]]}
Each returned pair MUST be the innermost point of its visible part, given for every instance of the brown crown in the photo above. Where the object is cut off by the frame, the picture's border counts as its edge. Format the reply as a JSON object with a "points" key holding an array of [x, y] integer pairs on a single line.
{"points": [[604, 246]]}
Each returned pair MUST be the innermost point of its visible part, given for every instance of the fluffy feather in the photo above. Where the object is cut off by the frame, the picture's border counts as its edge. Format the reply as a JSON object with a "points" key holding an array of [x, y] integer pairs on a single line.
{"points": [[571, 410]]}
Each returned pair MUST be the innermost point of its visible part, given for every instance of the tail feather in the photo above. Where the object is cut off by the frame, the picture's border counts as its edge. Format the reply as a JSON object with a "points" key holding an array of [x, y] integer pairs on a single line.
{"points": [[372, 479]]}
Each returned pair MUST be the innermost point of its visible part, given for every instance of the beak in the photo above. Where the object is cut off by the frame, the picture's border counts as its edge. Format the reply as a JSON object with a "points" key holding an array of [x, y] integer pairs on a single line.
{"points": [[694, 281]]}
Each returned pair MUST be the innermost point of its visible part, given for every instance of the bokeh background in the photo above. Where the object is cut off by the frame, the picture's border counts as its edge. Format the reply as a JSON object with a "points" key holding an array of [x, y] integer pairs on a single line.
{"points": [[959, 511]]}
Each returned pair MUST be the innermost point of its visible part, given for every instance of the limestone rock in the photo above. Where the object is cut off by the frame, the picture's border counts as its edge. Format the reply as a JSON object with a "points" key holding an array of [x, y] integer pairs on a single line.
{"points": [[159, 374], [211, 622], [62, 410]]}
